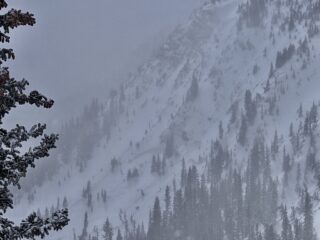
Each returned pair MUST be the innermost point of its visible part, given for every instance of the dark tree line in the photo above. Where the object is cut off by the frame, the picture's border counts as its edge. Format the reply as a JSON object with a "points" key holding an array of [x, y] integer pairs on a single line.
{"points": [[285, 55], [228, 203], [237, 207]]}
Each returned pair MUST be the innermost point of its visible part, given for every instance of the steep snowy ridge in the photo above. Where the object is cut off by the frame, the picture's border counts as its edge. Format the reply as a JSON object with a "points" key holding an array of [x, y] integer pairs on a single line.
{"points": [[197, 81]]}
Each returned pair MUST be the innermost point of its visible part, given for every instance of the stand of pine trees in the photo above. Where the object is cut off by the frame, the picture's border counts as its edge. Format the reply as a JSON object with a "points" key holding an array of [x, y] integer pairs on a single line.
{"points": [[230, 203], [235, 208]]}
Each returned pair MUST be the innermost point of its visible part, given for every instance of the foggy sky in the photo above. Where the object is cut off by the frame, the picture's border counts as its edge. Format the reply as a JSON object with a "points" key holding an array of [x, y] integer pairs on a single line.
{"points": [[81, 49]]}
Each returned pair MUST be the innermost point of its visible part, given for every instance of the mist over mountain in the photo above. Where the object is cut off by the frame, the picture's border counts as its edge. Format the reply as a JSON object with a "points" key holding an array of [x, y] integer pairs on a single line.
{"points": [[214, 136], [80, 51]]}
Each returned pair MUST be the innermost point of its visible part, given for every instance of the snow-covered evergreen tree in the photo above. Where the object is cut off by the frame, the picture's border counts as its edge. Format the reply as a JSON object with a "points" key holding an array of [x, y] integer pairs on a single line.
{"points": [[14, 163]]}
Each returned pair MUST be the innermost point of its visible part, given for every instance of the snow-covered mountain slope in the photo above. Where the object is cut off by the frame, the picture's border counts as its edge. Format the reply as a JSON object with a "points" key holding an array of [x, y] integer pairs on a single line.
{"points": [[181, 100]]}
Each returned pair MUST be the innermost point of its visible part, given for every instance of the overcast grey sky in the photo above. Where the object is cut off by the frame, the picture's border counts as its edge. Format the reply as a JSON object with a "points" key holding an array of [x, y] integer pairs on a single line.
{"points": [[79, 48]]}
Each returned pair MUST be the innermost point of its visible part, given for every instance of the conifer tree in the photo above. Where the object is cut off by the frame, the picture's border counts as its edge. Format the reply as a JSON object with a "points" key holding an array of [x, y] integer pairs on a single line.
{"points": [[270, 75], [300, 111], [154, 164], [155, 227], [242, 136], [119, 235], [183, 176], [169, 145], [14, 163], [193, 91], [286, 233], [275, 143], [163, 166], [286, 167], [250, 106], [84, 233], [297, 228], [220, 130], [167, 204], [308, 217], [65, 202], [107, 230]]}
